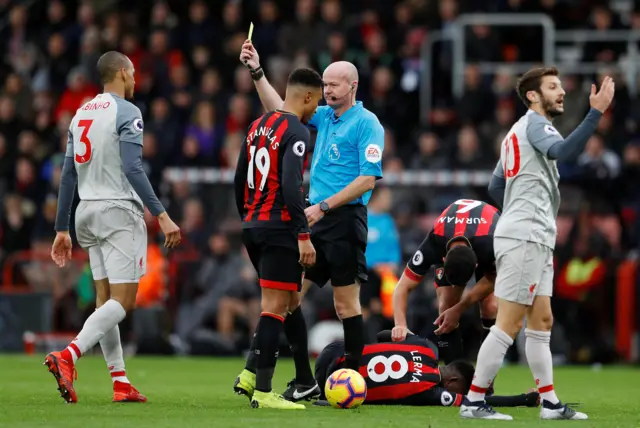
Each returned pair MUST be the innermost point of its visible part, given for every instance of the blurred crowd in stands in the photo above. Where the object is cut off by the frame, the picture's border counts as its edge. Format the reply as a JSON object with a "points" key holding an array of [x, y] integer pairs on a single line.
{"points": [[197, 100]]}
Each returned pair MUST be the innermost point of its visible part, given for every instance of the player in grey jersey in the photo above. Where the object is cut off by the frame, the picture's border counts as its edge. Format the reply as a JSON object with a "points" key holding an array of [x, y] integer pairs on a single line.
{"points": [[525, 184], [104, 157]]}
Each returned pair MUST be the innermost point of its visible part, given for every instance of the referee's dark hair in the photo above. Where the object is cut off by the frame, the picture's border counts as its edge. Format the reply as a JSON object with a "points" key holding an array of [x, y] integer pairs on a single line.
{"points": [[466, 370], [460, 264], [305, 77]]}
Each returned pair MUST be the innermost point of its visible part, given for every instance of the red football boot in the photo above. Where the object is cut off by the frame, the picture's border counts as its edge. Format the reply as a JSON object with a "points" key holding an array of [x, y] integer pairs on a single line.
{"points": [[65, 373], [126, 393]]}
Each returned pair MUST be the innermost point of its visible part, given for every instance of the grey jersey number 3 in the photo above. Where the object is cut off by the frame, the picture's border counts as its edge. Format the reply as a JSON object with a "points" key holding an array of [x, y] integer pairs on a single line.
{"points": [[532, 197], [98, 128]]}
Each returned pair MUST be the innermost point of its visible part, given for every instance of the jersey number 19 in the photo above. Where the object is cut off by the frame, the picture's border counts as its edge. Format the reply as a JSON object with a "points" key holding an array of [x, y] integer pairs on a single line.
{"points": [[262, 162]]}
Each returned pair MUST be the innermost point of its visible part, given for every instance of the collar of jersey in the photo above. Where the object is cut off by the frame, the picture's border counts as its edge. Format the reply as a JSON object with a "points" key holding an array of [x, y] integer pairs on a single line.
{"points": [[286, 112], [347, 113]]}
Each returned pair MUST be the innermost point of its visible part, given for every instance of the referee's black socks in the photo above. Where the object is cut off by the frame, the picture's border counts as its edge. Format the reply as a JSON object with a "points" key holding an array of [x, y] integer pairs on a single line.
{"points": [[295, 328], [266, 349], [353, 341]]}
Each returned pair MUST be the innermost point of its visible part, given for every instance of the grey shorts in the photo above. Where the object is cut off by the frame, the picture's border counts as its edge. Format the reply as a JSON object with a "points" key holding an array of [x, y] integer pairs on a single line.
{"points": [[115, 236], [525, 270]]}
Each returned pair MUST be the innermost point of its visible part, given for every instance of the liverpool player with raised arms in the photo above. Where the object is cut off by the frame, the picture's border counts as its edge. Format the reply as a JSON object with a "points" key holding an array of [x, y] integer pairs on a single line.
{"points": [[459, 245], [526, 182], [270, 201], [104, 158]]}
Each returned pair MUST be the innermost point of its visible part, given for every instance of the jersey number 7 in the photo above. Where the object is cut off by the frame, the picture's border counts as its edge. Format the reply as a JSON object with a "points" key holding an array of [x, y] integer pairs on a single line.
{"points": [[85, 155], [467, 205]]}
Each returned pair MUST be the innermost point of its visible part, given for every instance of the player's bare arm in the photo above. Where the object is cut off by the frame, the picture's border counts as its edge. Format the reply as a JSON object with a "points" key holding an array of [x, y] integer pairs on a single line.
{"points": [[400, 298], [449, 319], [62, 246], [268, 96]]}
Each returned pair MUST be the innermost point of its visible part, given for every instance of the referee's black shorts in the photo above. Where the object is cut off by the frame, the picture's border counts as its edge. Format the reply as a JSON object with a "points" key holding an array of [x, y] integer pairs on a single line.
{"points": [[340, 240]]}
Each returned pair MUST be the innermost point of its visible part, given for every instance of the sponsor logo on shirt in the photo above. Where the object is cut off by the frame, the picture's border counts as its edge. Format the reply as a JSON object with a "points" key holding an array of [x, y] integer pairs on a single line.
{"points": [[373, 153]]}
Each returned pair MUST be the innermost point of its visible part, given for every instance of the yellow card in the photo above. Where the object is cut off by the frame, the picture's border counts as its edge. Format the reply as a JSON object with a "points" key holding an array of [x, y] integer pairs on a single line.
{"points": [[250, 31]]}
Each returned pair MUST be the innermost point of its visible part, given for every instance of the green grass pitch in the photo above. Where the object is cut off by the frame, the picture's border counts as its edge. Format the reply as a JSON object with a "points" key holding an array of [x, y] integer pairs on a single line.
{"points": [[197, 392]]}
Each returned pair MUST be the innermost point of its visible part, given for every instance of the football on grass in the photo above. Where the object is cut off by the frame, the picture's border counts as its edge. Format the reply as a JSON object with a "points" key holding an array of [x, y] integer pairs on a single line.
{"points": [[345, 389]]}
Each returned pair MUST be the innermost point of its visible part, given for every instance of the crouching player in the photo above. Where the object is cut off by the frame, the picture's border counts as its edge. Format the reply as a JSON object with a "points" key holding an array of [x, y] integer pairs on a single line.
{"points": [[459, 245]]}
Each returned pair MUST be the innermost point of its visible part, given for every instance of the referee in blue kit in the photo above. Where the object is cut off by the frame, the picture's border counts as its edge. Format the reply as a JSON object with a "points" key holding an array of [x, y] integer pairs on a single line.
{"points": [[347, 161]]}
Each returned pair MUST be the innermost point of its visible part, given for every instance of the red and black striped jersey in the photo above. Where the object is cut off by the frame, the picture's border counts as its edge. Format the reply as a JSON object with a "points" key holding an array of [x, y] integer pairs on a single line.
{"points": [[404, 373], [269, 176], [467, 219]]}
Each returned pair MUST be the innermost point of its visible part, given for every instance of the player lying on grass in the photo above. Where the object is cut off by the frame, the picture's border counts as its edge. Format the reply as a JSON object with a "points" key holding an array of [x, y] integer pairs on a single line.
{"points": [[459, 245], [407, 373]]}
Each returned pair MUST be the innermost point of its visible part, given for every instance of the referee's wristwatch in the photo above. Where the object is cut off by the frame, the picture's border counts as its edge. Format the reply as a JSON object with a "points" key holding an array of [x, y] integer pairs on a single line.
{"points": [[324, 207]]}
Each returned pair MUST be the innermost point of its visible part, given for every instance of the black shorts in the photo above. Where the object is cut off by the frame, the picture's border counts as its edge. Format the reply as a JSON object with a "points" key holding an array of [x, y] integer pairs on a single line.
{"points": [[275, 256], [340, 240]]}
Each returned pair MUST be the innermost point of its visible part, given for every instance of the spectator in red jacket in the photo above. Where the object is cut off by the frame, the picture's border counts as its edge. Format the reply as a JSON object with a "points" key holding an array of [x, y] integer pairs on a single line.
{"points": [[78, 90]]}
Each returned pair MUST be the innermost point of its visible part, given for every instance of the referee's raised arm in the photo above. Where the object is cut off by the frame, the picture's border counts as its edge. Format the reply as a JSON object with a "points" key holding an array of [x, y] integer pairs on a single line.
{"points": [[268, 96]]}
